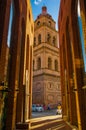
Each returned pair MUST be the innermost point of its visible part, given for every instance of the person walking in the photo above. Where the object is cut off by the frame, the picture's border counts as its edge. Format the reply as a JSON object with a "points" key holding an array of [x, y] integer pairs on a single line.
{"points": [[48, 107]]}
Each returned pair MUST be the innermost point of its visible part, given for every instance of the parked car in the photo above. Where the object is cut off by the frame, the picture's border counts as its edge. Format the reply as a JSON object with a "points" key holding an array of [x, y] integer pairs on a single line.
{"points": [[34, 109], [37, 108]]}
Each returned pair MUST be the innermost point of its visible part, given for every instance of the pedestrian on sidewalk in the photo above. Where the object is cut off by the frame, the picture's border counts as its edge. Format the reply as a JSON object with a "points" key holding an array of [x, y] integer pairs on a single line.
{"points": [[48, 108], [44, 106]]}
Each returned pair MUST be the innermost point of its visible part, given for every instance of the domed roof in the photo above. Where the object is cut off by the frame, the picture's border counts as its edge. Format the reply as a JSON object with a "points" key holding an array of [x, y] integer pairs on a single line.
{"points": [[44, 13]]}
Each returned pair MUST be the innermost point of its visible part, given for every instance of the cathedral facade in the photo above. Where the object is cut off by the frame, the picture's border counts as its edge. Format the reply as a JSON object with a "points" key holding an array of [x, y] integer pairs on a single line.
{"points": [[46, 65]]}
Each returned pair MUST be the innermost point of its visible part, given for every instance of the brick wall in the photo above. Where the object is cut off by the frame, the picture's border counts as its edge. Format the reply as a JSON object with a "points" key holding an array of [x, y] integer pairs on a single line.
{"points": [[71, 64]]}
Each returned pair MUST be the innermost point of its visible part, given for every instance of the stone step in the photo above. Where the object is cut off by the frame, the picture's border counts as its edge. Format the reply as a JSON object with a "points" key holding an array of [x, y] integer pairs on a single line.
{"points": [[22, 126]]}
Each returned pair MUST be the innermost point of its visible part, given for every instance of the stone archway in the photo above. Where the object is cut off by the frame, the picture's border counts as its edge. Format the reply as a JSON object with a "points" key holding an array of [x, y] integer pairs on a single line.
{"points": [[13, 67], [20, 97], [71, 102]]}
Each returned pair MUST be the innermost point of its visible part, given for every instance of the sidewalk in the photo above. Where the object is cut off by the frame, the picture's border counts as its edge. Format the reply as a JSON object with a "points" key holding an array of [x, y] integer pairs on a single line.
{"points": [[46, 123], [49, 123], [73, 127], [44, 113], [47, 120]]}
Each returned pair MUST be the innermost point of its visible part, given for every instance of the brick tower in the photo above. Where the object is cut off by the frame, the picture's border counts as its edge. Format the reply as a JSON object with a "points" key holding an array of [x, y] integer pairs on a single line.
{"points": [[46, 66]]}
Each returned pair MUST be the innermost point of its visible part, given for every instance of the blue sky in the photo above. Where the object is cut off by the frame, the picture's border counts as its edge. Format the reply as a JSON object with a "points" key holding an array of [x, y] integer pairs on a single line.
{"points": [[52, 8], [10, 25]]}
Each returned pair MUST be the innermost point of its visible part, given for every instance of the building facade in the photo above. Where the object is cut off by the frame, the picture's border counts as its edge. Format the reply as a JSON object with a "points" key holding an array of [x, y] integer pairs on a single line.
{"points": [[72, 38], [46, 65], [16, 41]]}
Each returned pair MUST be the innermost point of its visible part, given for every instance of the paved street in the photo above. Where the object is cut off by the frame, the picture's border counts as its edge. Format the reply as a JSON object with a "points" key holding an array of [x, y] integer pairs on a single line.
{"points": [[44, 113], [49, 123], [48, 120]]}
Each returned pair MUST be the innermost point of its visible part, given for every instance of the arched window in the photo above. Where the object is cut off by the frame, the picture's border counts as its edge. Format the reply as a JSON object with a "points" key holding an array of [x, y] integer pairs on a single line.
{"points": [[49, 63], [38, 23], [56, 65], [39, 63], [49, 23], [39, 39], [54, 41], [34, 42], [48, 37]]}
